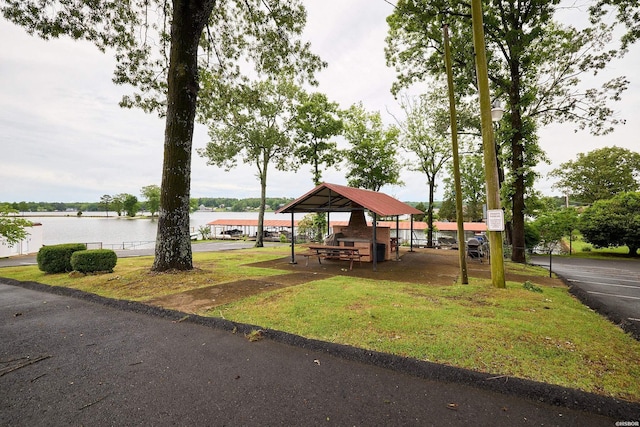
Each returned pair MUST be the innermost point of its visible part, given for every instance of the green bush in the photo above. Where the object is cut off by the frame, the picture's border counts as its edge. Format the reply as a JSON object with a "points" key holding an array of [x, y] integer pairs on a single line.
{"points": [[531, 287], [586, 248], [57, 258], [89, 261]]}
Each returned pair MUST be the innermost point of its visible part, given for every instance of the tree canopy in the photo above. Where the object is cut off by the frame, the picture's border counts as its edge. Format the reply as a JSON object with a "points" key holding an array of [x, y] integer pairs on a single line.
{"points": [[130, 205], [424, 133], [256, 125], [152, 194], [372, 158], [12, 229], [162, 51], [613, 222], [317, 120], [553, 225], [473, 188], [535, 65], [599, 174]]}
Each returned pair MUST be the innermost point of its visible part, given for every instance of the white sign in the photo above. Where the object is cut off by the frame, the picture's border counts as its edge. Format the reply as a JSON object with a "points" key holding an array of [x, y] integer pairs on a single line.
{"points": [[495, 220]]}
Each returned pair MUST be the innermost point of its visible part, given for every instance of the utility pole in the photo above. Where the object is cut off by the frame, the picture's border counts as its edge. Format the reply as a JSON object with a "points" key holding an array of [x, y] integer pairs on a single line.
{"points": [[462, 255], [489, 150]]}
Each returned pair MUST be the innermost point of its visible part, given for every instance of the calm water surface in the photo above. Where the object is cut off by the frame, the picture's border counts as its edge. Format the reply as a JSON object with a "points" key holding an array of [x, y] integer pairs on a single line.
{"points": [[115, 232]]}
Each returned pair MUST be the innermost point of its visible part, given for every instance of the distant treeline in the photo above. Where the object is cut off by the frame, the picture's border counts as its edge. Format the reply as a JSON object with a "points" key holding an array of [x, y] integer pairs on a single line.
{"points": [[217, 203], [241, 205]]}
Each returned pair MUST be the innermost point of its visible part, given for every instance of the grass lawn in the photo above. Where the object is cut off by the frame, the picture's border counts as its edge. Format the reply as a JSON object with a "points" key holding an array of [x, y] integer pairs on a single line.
{"points": [[546, 336], [582, 249], [549, 336]]}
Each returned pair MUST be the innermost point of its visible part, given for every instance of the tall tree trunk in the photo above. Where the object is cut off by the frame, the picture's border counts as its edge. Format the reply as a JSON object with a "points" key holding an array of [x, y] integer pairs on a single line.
{"points": [[263, 201], [518, 170], [432, 186], [316, 168], [173, 241]]}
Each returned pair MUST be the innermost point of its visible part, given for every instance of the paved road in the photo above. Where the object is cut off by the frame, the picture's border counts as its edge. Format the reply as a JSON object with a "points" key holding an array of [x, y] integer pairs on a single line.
{"points": [[612, 287], [69, 361]]}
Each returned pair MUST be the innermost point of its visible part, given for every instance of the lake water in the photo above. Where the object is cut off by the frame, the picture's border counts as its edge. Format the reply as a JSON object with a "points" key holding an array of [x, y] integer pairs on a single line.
{"points": [[118, 232]]}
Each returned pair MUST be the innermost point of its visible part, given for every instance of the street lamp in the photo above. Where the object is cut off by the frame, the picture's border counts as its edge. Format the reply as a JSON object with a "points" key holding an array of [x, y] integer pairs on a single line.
{"points": [[496, 111], [496, 115]]}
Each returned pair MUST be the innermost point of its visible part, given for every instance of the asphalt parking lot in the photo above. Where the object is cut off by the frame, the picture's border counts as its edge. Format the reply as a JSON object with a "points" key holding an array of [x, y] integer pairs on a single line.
{"points": [[84, 360], [611, 287]]}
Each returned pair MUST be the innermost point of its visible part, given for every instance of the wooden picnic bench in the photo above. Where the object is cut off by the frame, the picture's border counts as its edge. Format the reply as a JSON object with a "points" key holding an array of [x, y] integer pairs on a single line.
{"points": [[345, 253]]}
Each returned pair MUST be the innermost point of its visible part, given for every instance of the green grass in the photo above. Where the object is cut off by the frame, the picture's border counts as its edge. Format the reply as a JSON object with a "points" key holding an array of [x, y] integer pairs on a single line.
{"points": [[548, 336], [582, 249], [132, 279]]}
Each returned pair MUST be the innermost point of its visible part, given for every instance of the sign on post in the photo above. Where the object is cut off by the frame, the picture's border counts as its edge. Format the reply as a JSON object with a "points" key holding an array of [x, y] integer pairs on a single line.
{"points": [[495, 220]]}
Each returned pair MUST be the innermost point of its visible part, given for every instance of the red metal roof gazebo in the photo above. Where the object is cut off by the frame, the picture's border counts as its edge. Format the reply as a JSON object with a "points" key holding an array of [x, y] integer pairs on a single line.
{"points": [[339, 198]]}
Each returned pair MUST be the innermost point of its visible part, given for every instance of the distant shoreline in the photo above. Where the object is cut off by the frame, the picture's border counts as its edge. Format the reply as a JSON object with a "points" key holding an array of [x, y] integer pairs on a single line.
{"points": [[75, 215], [60, 214]]}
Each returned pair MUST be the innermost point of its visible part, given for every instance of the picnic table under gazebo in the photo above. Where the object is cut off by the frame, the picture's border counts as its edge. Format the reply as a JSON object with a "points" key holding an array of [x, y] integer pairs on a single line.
{"points": [[373, 243]]}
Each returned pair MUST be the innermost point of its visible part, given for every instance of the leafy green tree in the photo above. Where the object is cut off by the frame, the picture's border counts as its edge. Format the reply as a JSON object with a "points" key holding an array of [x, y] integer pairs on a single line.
{"points": [[193, 205], [534, 61], [372, 158], [205, 232], [424, 133], [599, 174], [106, 201], [161, 50], [130, 205], [627, 15], [552, 226], [531, 235], [317, 121], [447, 211], [311, 226], [473, 187], [118, 203], [257, 128], [152, 194], [420, 217], [613, 222], [12, 229]]}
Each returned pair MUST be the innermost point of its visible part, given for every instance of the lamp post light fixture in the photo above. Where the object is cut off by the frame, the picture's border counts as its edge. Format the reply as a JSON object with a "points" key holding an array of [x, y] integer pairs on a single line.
{"points": [[496, 111], [496, 115]]}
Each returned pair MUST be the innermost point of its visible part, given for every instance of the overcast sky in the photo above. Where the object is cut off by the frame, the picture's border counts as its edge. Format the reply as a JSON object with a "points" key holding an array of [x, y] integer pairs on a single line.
{"points": [[64, 138]]}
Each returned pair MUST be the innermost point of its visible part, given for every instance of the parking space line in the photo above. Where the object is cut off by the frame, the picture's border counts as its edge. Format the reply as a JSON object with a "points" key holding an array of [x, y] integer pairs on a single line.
{"points": [[612, 295], [603, 284], [611, 277]]}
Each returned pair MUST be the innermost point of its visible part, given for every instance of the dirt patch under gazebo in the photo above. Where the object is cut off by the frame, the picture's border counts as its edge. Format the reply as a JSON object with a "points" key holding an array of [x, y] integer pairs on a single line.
{"points": [[430, 267]]}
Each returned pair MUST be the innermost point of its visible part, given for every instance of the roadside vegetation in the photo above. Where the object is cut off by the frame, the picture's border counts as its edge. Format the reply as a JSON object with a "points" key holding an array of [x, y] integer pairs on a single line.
{"points": [[582, 249], [545, 336]]}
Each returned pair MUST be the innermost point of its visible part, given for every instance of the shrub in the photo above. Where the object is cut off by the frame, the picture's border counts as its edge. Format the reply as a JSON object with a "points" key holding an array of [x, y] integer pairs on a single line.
{"points": [[586, 248], [529, 286], [57, 258], [89, 261]]}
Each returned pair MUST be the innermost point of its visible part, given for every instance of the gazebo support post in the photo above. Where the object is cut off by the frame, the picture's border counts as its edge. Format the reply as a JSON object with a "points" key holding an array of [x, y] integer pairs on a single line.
{"points": [[411, 238], [329, 230], [293, 239], [374, 255], [397, 237]]}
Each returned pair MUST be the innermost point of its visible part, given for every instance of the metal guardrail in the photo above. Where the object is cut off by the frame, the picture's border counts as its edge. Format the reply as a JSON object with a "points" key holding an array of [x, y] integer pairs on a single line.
{"points": [[130, 245]]}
